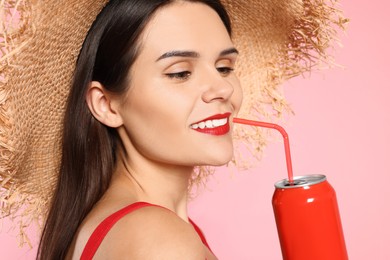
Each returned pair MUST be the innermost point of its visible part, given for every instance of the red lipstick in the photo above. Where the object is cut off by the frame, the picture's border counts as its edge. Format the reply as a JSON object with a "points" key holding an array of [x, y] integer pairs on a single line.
{"points": [[213, 125]]}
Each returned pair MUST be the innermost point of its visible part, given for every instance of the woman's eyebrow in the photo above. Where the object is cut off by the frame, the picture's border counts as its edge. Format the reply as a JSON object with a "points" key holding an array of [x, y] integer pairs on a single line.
{"points": [[228, 51], [193, 54]]}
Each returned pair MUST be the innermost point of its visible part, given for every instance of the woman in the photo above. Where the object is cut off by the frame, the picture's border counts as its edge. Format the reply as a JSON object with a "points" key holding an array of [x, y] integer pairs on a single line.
{"points": [[153, 95], [160, 99]]}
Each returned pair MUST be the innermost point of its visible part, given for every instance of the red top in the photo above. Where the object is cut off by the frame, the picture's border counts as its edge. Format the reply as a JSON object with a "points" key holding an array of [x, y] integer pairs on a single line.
{"points": [[101, 231]]}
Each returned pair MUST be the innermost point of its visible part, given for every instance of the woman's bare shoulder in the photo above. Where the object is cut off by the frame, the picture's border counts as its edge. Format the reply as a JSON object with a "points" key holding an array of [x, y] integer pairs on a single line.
{"points": [[151, 233]]}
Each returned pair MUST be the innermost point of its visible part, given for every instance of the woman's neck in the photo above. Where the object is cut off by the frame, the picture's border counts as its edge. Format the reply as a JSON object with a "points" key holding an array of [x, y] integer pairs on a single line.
{"points": [[153, 182]]}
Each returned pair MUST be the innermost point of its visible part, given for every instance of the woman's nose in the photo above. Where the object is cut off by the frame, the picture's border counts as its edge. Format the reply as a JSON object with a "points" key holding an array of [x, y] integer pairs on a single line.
{"points": [[217, 87]]}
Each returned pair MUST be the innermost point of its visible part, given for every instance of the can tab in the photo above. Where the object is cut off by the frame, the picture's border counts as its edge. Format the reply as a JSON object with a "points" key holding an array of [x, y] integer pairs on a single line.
{"points": [[300, 181]]}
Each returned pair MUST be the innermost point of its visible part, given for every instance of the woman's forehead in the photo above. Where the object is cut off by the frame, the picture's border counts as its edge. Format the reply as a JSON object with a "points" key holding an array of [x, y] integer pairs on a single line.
{"points": [[185, 26]]}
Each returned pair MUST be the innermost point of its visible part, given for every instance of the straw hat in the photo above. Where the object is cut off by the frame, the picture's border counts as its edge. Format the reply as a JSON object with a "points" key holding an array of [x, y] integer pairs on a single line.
{"points": [[40, 41]]}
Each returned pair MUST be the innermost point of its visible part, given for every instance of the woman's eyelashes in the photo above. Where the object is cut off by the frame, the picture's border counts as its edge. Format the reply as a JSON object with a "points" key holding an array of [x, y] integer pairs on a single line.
{"points": [[181, 75], [225, 71], [185, 74]]}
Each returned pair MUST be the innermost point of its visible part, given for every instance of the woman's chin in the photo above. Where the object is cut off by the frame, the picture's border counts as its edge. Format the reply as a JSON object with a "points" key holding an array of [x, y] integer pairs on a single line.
{"points": [[220, 160]]}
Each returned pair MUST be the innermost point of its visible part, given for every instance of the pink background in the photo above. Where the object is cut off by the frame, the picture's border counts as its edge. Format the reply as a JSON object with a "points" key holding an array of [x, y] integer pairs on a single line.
{"points": [[341, 129]]}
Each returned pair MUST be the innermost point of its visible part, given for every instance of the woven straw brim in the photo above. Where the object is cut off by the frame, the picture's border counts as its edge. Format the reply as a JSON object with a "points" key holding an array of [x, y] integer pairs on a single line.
{"points": [[39, 47], [278, 40]]}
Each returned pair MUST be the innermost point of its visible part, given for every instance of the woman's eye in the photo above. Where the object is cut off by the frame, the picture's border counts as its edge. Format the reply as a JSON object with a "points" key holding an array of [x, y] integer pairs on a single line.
{"points": [[182, 75], [225, 71]]}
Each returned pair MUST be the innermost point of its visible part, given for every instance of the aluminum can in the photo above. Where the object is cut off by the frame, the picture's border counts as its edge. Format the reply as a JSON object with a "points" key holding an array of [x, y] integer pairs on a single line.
{"points": [[308, 220]]}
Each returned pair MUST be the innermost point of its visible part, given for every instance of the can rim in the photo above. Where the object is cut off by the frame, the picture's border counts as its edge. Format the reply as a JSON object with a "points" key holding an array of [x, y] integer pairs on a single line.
{"points": [[301, 181]]}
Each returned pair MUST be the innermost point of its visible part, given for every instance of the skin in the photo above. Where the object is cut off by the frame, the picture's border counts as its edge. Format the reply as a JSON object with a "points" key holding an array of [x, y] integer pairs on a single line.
{"points": [[160, 149]]}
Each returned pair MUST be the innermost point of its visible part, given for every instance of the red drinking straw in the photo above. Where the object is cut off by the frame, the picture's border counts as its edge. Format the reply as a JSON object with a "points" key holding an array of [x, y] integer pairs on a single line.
{"points": [[285, 140]]}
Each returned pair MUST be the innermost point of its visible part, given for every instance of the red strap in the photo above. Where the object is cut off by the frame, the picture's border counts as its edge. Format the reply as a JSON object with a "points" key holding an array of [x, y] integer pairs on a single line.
{"points": [[200, 234], [101, 231]]}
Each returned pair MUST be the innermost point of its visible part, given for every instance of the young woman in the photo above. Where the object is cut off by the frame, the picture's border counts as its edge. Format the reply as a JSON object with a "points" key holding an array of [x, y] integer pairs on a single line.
{"points": [[108, 107], [153, 96]]}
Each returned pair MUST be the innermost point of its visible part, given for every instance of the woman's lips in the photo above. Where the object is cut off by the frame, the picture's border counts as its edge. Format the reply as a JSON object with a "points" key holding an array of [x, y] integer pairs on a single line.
{"points": [[214, 125]]}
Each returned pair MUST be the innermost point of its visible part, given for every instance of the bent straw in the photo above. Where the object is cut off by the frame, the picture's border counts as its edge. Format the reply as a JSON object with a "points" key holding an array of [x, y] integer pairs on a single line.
{"points": [[285, 140]]}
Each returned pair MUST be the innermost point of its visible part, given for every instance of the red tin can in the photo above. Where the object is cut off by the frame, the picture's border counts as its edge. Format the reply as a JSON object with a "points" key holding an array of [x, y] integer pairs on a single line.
{"points": [[308, 219]]}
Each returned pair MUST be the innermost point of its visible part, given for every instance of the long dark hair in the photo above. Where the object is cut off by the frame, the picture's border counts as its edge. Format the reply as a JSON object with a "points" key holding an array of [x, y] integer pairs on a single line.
{"points": [[88, 147]]}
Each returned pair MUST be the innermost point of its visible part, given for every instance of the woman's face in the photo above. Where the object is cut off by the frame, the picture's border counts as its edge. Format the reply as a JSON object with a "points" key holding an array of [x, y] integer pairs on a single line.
{"points": [[183, 92]]}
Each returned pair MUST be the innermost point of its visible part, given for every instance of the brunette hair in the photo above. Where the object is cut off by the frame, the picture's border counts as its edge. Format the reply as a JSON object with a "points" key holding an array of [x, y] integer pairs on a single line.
{"points": [[88, 147]]}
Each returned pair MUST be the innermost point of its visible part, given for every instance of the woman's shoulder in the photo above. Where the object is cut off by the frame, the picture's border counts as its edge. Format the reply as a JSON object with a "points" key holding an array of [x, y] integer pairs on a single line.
{"points": [[151, 233]]}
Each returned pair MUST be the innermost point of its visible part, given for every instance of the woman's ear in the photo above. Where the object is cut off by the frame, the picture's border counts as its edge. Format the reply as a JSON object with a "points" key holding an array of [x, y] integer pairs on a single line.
{"points": [[102, 107]]}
